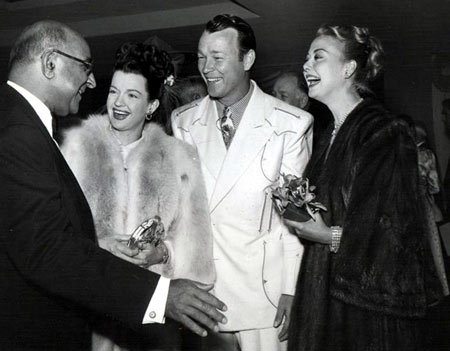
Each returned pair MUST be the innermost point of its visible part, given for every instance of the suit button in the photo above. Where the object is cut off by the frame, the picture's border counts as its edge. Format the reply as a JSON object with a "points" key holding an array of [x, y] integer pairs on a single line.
{"points": [[152, 314]]}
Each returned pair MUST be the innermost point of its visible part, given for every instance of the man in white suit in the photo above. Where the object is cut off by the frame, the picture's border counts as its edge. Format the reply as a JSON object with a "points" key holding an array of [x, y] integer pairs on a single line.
{"points": [[257, 259]]}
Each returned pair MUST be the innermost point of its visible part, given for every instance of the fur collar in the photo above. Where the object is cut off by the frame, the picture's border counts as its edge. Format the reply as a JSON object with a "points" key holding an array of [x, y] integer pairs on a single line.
{"points": [[161, 176]]}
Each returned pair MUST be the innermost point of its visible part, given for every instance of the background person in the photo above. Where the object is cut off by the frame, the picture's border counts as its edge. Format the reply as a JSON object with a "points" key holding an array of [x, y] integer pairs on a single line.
{"points": [[190, 88], [291, 87], [446, 182], [428, 169]]}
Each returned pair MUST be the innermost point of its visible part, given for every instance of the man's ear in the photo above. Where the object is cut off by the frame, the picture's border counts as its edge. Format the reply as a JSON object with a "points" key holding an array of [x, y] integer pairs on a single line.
{"points": [[249, 59], [304, 99], [301, 97], [48, 64]]}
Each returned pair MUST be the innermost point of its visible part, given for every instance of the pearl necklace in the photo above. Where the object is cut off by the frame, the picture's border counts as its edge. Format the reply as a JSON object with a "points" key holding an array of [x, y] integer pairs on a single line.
{"points": [[337, 126]]}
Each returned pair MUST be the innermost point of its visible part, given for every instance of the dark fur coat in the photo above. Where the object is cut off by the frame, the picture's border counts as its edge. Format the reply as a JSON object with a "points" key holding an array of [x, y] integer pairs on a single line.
{"points": [[162, 177], [369, 183]]}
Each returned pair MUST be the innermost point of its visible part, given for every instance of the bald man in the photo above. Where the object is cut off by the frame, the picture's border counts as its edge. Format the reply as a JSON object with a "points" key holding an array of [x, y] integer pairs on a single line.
{"points": [[54, 276]]}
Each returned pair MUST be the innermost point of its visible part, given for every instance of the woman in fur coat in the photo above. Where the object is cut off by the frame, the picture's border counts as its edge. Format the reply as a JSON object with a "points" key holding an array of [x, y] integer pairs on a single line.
{"points": [[367, 273], [130, 171]]}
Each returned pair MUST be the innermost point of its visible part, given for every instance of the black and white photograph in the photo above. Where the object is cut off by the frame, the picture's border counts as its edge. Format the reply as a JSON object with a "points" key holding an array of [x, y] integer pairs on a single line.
{"points": [[224, 175]]}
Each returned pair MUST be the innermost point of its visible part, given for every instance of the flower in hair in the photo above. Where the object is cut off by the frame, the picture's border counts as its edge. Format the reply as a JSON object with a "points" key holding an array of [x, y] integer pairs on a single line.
{"points": [[169, 80]]}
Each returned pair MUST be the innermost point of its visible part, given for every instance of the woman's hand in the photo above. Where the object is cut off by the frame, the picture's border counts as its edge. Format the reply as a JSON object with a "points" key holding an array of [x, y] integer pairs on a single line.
{"points": [[313, 230], [152, 254], [145, 255]]}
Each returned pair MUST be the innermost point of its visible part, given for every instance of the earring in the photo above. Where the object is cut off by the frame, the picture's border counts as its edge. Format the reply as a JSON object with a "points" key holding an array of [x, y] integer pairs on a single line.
{"points": [[148, 116]]}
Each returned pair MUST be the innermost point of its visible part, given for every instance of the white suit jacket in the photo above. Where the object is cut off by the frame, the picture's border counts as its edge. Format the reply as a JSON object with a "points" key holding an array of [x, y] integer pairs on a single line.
{"points": [[256, 257]]}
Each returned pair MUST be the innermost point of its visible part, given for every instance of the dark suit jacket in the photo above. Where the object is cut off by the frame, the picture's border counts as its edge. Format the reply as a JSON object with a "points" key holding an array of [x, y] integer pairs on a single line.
{"points": [[53, 275]]}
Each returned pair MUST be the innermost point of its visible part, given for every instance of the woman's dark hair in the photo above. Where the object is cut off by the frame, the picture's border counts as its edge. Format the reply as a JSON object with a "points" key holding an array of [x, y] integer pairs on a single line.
{"points": [[363, 48], [147, 60], [246, 36], [156, 67]]}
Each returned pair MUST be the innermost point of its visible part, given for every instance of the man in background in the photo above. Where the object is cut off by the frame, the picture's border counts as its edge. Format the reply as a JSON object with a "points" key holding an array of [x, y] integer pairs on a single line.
{"points": [[291, 87], [446, 182]]}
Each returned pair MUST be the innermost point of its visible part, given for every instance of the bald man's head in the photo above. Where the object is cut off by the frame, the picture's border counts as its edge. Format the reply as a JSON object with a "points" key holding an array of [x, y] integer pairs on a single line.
{"points": [[289, 87], [36, 38]]}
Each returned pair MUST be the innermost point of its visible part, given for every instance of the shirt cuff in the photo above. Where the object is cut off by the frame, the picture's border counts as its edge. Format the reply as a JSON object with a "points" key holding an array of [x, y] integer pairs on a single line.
{"points": [[157, 306]]}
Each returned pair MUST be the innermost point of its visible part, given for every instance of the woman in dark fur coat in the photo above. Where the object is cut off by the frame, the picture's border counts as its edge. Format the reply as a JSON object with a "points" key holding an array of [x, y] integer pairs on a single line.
{"points": [[367, 273], [130, 170]]}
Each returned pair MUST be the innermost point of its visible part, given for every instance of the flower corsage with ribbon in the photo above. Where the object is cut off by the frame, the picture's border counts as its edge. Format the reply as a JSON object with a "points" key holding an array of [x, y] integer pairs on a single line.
{"points": [[294, 199]]}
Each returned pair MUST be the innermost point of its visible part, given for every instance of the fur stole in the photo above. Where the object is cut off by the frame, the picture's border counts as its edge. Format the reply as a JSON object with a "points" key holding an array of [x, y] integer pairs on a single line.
{"points": [[369, 183], [162, 176]]}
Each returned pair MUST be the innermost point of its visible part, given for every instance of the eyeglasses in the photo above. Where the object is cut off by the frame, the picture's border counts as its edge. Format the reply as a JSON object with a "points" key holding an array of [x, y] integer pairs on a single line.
{"points": [[88, 64]]}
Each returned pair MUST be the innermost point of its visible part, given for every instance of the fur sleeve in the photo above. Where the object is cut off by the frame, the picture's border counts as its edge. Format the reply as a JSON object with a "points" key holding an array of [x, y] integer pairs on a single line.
{"points": [[191, 235], [380, 261]]}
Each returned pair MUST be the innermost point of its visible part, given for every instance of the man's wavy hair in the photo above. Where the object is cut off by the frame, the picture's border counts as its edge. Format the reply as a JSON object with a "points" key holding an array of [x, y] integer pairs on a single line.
{"points": [[246, 36]]}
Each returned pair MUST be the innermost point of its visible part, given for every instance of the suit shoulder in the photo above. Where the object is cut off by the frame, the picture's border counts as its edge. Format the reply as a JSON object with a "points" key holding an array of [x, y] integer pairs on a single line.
{"points": [[183, 115], [186, 109], [287, 114], [285, 110]]}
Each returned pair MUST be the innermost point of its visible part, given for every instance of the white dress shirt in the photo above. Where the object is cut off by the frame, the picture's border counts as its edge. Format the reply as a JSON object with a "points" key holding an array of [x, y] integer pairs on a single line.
{"points": [[157, 306]]}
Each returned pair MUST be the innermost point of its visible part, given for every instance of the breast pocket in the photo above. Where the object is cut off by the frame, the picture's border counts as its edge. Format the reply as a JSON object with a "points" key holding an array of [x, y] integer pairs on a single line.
{"points": [[271, 159]]}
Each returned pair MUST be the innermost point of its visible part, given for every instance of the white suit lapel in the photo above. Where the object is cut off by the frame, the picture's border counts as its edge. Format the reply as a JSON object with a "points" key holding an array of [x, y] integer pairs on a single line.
{"points": [[208, 138], [251, 136]]}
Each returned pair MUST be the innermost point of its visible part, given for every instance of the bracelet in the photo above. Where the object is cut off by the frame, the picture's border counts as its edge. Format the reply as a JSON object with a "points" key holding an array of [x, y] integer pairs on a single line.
{"points": [[336, 233]]}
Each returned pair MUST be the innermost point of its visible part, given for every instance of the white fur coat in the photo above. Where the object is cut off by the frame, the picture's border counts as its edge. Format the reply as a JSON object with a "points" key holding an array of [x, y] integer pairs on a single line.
{"points": [[162, 177]]}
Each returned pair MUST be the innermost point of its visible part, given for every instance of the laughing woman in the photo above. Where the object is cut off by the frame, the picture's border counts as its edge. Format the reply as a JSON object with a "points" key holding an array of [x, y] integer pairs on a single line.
{"points": [[130, 171], [367, 273]]}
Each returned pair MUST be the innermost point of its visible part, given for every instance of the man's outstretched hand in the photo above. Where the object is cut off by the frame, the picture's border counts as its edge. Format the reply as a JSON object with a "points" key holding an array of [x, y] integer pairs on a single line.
{"points": [[194, 307]]}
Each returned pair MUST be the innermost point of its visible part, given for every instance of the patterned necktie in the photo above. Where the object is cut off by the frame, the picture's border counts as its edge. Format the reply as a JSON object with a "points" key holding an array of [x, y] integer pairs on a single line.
{"points": [[226, 126]]}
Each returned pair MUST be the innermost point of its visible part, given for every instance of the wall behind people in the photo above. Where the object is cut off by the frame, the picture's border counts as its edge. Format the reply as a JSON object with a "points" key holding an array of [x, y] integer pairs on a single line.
{"points": [[408, 90]]}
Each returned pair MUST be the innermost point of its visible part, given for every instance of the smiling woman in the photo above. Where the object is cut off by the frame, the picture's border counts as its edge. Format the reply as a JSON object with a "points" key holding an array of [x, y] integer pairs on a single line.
{"points": [[131, 172], [128, 106], [367, 272]]}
